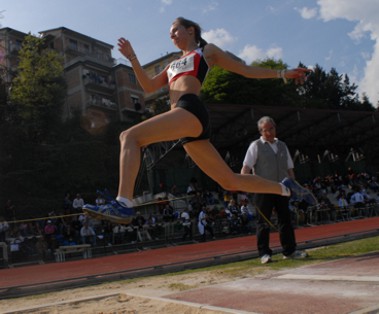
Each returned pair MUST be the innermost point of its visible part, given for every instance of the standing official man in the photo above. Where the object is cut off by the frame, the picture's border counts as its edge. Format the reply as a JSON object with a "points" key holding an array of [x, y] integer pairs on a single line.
{"points": [[269, 158]]}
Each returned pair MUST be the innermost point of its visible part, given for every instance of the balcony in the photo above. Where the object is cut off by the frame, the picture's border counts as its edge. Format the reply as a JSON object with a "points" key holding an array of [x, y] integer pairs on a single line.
{"points": [[85, 55], [94, 80], [101, 102]]}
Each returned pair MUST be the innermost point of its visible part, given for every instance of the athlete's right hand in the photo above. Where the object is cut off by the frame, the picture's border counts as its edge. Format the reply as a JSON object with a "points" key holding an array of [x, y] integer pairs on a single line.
{"points": [[126, 48]]}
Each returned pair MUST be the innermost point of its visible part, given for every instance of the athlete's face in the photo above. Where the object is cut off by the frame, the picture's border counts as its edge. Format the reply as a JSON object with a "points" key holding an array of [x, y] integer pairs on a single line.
{"points": [[268, 131], [179, 35]]}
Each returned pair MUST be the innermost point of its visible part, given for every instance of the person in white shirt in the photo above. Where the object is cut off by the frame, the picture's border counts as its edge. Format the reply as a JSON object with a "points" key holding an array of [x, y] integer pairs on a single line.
{"points": [[357, 199], [269, 158], [78, 203], [187, 224], [88, 234], [205, 224]]}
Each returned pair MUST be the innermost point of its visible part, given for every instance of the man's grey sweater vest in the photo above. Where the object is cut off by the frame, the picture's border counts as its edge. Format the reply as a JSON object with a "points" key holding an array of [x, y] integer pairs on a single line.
{"points": [[270, 165]]}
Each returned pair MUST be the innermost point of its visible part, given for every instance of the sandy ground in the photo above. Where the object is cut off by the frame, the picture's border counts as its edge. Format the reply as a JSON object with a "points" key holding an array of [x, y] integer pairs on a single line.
{"points": [[144, 295]]}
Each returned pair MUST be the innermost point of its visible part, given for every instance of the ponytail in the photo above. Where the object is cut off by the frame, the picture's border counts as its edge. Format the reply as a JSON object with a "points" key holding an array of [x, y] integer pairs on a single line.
{"points": [[202, 42]]}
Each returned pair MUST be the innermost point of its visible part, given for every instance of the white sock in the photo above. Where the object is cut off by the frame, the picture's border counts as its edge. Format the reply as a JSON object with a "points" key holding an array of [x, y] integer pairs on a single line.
{"points": [[285, 191], [124, 201]]}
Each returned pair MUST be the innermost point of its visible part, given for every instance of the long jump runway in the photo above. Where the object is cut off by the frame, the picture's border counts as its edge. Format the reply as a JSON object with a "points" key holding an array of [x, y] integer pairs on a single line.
{"points": [[347, 286]]}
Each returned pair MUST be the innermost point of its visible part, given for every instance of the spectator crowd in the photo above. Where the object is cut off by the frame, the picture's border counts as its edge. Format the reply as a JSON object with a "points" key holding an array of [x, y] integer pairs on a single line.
{"points": [[200, 215]]}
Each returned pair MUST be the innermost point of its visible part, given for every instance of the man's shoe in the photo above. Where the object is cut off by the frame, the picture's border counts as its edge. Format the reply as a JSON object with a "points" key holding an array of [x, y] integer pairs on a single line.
{"points": [[113, 212], [299, 192], [296, 255], [266, 259]]}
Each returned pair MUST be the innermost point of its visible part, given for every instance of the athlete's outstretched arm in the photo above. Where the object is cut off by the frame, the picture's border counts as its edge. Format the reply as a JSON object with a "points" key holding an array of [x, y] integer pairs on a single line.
{"points": [[216, 56]]}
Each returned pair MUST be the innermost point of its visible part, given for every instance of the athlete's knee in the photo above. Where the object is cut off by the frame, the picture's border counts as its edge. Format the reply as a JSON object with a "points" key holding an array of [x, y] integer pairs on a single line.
{"points": [[128, 137], [124, 136]]}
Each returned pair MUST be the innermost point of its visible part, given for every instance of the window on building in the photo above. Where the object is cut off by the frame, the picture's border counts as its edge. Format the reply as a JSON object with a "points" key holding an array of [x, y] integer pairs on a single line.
{"points": [[16, 45], [86, 48], [136, 103], [135, 99], [73, 44], [132, 78]]}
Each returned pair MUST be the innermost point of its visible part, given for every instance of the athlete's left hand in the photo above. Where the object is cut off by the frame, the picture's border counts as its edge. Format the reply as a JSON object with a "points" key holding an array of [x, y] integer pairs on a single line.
{"points": [[299, 75]]}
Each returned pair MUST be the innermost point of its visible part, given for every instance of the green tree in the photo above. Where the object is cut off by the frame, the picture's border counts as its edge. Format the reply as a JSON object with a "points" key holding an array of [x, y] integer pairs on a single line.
{"points": [[223, 86], [39, 88], [332, 91]]}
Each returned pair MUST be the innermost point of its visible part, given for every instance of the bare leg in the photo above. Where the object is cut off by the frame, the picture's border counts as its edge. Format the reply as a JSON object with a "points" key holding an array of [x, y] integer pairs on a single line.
{"points": [[209, 160], [171, 125]]}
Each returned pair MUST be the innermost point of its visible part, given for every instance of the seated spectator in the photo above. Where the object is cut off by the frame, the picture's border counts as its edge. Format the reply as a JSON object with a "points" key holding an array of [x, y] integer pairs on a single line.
{"points": [[83, 218], [168, 213], [357, 199], [50, 231], [68, 231], [152, 227], [118, 234], [78, 203], [342, 202], [245, 214], [233, 208], [88, 234], [187, 224], [139, 224], [227, 196], [373, 184], [343, 206], [205, 224]]}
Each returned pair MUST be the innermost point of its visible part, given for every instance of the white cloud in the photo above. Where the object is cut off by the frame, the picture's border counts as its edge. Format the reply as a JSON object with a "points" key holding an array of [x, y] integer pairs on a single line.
{"points": [[220, 37], [307, 13], [365, 14], [329, 56], [369, 84], [275, 53], [164, 4], [210, 7], [253, 53]]}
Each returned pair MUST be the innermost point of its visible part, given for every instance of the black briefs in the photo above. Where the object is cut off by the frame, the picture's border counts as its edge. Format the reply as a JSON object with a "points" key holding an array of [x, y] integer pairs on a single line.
{"points": [[193, 104]]}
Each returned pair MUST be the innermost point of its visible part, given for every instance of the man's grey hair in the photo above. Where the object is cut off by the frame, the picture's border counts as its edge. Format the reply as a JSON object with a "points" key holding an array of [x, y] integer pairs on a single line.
{"points": [[265, 119]]}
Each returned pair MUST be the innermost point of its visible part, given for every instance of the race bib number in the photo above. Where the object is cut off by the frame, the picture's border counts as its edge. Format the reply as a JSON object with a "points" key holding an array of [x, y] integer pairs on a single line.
{"points": [[182, 65]]}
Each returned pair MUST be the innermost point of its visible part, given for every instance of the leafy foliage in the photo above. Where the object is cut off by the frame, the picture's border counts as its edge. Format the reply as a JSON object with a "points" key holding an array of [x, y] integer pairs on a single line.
{"points": [[332, 91], [39, 88], [322, 90]]}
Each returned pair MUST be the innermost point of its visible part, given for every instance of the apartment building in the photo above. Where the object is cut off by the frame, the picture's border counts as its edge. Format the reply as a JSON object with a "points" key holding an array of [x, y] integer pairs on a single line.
{"points": [[95, 83], [10, 44]]}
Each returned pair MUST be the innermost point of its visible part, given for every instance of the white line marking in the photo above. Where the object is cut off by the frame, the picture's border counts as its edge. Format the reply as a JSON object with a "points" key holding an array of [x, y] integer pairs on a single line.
{"points": [[331, 277]]}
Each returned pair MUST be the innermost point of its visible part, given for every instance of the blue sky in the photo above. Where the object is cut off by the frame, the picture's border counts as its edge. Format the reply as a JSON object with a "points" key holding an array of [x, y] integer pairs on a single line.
{"points": [[340, 34]]}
